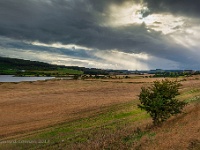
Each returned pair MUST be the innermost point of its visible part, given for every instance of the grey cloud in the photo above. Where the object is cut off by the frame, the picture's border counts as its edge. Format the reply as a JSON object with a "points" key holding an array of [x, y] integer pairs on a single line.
{"points": [[157, 22], [185, 7], [80, 22], [73, 52], [61, 21], [144, 12]]}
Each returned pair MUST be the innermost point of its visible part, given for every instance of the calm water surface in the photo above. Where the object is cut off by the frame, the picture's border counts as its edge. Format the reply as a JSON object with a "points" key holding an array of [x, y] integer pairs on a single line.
{"points": [[11, 78]]}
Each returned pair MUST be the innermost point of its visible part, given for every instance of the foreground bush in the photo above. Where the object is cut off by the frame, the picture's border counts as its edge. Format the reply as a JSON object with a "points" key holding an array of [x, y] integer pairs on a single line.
{"points": [[159, 100]]}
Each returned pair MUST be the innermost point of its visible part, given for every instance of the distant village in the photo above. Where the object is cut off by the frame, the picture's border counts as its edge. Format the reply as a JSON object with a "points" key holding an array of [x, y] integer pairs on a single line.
{"points": [[98, 73]]}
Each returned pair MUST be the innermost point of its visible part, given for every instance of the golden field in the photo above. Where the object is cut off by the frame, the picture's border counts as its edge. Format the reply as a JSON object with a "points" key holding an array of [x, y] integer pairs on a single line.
{"points": [[31, 110]]}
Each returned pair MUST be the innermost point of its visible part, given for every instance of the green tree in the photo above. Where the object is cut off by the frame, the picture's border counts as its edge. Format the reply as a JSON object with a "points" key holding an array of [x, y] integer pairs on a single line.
{"points": [[159, 100]]}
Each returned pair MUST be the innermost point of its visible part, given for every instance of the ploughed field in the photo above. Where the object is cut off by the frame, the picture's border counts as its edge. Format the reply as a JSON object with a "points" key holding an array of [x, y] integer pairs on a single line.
{"points": [[30, 108]]}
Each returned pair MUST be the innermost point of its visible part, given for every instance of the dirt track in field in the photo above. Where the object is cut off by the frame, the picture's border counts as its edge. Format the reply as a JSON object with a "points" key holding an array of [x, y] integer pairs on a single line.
{"points": [[29, 106]]}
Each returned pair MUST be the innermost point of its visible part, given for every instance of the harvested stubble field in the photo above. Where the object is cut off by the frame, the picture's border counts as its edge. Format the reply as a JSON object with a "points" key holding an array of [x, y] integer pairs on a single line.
{"points": [[95, 114]]}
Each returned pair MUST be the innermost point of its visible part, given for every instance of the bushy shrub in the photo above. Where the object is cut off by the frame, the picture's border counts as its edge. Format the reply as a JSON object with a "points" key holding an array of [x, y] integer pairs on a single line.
{"points": [[159, 100]]}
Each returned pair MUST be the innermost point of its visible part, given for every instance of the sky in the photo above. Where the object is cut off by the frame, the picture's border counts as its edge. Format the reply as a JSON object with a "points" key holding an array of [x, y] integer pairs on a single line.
{"points": [[107, 34]]}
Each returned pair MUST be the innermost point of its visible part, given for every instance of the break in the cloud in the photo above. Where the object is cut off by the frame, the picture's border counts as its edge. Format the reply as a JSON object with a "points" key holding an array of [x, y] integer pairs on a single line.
{"points": [[118, 34]]}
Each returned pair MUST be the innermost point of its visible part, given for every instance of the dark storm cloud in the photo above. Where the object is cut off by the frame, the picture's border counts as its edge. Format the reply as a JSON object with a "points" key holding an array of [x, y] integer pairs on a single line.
{"points": [[65, 21], [185, 7], [46, 21], [102, 5], [68, 22], [82, 22]]}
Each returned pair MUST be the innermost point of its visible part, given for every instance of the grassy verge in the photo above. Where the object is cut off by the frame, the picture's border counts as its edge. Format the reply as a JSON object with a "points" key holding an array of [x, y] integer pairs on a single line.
{"points": [[191, 95]]}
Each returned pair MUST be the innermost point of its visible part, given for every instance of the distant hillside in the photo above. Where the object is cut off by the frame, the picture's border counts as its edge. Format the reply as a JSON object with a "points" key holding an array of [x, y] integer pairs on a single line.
{"points": [[33, 68], [15, 66], [20, 64]]}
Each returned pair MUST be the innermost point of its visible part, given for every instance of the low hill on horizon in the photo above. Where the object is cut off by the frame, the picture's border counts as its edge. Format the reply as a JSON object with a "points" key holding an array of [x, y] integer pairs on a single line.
{"points": [[12, 65]]}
